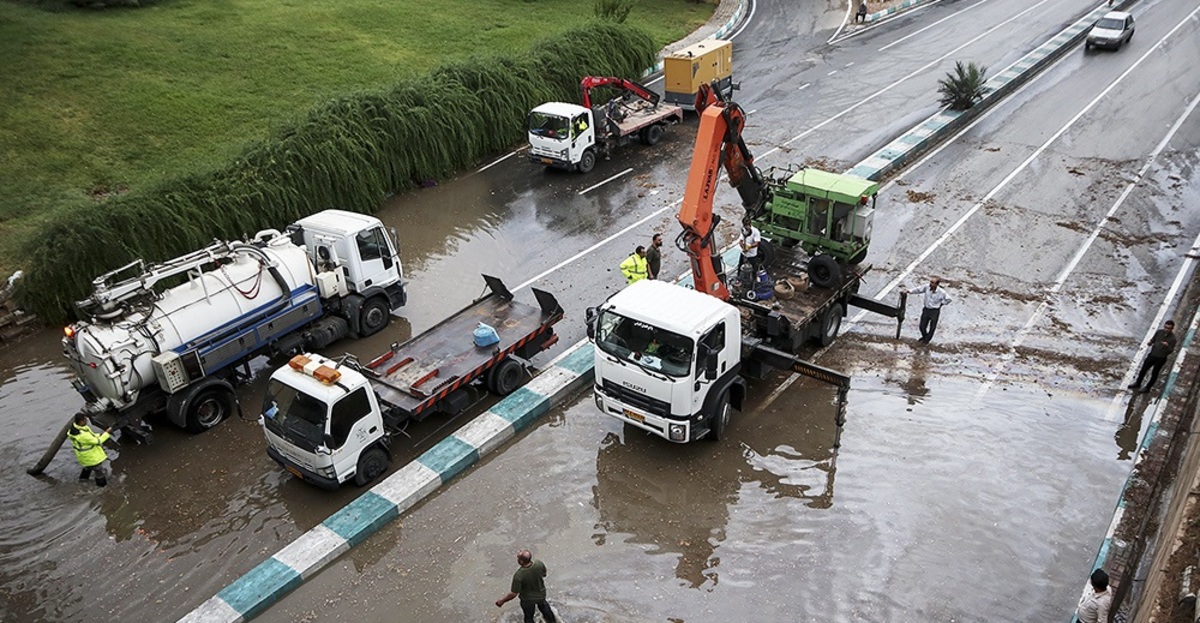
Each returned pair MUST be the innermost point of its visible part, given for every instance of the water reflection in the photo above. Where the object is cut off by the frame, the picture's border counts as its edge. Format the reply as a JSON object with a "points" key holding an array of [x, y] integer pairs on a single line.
{"points": [[677, 498]]}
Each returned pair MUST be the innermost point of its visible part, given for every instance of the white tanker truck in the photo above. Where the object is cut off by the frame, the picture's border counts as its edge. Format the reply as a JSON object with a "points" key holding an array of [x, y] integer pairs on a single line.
{"points": [[171, 337]]}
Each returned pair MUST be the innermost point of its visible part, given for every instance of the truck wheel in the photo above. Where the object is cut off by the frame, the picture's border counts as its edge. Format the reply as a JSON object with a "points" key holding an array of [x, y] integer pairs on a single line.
{"points": [[371, 464], [824, 272], [587, 161], [208, 407], [374, 316], [831, 323], [505, 377], [652, 134], [719, 423]]}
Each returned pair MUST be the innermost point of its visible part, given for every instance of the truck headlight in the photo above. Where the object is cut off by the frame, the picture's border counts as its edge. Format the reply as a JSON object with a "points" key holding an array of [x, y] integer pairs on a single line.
{"points": [[599, 401], [678, 432]]}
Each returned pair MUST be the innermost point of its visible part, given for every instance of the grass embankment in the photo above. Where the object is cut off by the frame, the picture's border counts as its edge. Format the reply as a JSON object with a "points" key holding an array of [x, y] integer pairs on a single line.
{"points": [[119, 117]]}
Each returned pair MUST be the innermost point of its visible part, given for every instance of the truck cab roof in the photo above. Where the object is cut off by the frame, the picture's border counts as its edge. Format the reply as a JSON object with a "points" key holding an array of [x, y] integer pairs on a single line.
{"points": [[310, 386], [338, 222], [672, 307], [560, 109]]}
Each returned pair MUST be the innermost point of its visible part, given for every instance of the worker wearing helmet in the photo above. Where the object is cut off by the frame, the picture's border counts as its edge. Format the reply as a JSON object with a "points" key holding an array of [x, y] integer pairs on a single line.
{"points": [[635, 267], [89, 449]]}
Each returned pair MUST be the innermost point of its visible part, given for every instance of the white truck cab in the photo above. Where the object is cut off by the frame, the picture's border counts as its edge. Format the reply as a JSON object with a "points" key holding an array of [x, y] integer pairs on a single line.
{"points": [[323, 423], [667, 360], [560, 134]]}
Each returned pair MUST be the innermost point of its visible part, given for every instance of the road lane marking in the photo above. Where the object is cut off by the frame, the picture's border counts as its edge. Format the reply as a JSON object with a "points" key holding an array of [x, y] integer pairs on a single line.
{"points": [[893, 85], [501, 159], [1061, 280], [850, 64], [595, 186], [831, 73], [804, 86], [957, 224], [948, 17], [875, 24]]}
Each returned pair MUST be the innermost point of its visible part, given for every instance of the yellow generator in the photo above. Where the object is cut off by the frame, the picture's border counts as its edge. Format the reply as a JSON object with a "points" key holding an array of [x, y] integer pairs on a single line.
{"points": [[700, 63]]}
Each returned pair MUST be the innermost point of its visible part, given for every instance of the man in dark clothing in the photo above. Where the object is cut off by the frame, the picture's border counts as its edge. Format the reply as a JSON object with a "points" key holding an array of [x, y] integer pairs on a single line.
{"points": [[529, 583], [654, 256], [862, 13], [1161, 346]]}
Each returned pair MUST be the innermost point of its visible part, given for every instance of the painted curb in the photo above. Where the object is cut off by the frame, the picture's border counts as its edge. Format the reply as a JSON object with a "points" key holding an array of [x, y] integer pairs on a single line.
{"points": [[277, 576], [895, 10], [287, 569], [940, 126]]}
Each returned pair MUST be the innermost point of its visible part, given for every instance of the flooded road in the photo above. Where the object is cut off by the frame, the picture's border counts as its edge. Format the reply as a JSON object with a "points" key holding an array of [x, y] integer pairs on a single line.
{"points": [[936, 485]]}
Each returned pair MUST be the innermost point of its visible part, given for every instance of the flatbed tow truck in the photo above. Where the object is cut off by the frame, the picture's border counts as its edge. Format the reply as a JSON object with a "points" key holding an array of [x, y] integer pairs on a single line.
{"points": [[328, 421]]}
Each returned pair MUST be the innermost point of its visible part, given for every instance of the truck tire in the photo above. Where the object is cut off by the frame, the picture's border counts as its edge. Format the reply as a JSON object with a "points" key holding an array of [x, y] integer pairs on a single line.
{"points": [[718, 426], [208, 407], [505, 377], [587, 161], [824, 272], [831, 323], [371, 464], [652, 134], [374, 316]]}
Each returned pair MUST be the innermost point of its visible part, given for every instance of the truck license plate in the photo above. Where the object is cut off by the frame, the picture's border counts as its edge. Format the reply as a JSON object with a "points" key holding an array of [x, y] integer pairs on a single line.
{"points": [[547, 161], [637, 417], [295, 472]]}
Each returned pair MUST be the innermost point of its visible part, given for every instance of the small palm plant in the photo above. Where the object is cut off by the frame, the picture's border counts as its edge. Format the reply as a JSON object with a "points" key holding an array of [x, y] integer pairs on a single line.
{"points": [[961, 88]]}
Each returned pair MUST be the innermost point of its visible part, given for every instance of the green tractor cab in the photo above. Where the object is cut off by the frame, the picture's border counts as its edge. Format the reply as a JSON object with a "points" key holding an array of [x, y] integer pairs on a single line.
{"points": [[828, 214]]}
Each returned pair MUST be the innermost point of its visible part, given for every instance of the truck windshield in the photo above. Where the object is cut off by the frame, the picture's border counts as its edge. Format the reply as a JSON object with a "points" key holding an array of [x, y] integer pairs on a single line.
{"points": [[295, 416], [644, 344], [549, 126]]}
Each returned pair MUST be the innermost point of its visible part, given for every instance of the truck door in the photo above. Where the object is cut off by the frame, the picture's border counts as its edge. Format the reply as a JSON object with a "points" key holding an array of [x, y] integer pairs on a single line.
{"points": [[353, 425], [583, 135], [377, 263], [715, 341]]}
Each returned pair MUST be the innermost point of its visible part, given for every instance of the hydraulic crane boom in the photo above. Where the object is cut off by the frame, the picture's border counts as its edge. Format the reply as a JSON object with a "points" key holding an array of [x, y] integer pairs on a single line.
{"points": [[719, 144], [590, 82]]}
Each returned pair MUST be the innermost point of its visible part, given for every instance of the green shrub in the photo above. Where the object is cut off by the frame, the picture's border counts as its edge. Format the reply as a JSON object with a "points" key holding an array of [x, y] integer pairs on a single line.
{"points": [[613, 10], [350, 153], [963, 87]]}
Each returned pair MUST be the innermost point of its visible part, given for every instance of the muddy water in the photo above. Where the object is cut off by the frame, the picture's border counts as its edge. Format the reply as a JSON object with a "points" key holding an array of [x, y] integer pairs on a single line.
{"points": [[185, 515], [930, 491]]}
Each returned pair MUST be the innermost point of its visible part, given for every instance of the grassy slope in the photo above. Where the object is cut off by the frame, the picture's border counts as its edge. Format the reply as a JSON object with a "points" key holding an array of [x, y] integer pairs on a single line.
{"points": [[103, 101]]}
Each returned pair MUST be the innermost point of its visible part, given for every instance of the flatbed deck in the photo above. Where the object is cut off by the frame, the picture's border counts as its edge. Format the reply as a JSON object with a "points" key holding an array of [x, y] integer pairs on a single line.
{"points": [[641, 114], [412, 377]]}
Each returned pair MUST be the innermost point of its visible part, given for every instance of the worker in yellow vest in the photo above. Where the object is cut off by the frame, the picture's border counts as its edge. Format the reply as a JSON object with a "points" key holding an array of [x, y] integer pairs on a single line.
{"points": [[89, 449], [635, 267]]}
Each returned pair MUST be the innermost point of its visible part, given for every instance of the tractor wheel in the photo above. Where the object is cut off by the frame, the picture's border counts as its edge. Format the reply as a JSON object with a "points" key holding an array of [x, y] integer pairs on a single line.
{"points": [[824, 272]]}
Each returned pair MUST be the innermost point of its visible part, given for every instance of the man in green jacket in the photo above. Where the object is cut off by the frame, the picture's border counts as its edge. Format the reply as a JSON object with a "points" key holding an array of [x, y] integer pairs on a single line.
{"points": [[89, 449], [635, 268], [529, 583]]}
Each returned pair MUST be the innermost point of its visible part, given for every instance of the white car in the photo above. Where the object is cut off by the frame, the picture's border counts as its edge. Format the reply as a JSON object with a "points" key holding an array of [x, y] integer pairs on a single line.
{"points": [[1112, 31]]}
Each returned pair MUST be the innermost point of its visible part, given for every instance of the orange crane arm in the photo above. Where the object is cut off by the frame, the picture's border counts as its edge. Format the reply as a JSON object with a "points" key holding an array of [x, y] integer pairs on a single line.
{"points": [[719, 145]]}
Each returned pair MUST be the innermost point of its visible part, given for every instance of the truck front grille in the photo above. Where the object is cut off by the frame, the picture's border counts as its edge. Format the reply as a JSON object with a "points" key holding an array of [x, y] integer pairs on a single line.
{"points": [[636, 399]]}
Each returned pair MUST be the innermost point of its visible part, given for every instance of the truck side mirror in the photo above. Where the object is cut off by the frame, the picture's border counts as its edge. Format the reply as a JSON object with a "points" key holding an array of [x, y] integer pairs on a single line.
{"points": [[590, 320], [327, 440], [710, 366]]}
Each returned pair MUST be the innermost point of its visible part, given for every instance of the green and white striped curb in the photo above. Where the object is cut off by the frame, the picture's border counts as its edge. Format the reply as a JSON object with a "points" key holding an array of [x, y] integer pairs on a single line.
{"points": [[265, 584], [893, 10], [907, 147]]}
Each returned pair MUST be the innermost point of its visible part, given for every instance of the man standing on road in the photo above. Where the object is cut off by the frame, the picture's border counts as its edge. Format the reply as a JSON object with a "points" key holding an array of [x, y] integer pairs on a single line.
{"points": [[634, 267], [1093, 607], [89, 450], [935, 299], [1161, 346], [529, 583], [654, 256]]}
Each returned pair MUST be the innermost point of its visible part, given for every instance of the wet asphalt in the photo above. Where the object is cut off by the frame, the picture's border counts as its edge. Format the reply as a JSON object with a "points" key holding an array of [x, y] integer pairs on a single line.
{"points": [[997, 452]]}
